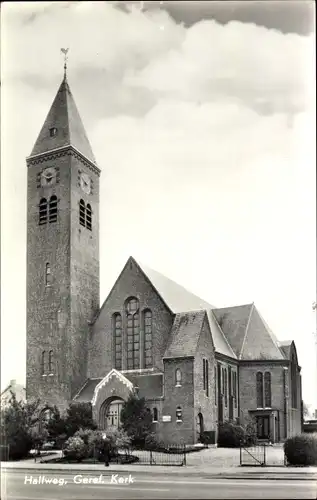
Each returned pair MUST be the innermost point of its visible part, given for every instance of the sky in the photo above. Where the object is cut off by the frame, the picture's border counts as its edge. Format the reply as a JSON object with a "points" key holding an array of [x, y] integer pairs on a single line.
{"points": [[201, 116]]}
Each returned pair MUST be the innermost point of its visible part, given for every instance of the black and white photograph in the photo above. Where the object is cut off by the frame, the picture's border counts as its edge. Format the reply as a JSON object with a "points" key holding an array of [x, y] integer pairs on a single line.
{"points": [[158, 250]]}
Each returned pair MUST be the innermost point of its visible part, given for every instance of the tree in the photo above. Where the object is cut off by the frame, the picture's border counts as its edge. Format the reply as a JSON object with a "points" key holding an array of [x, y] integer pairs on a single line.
{"points": [[18, 423], [306, 412], [79, 416], [136, 420]]}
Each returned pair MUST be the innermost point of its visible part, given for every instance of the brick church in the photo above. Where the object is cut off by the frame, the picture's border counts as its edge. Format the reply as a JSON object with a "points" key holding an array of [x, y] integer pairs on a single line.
{"points": [[196, 365]]}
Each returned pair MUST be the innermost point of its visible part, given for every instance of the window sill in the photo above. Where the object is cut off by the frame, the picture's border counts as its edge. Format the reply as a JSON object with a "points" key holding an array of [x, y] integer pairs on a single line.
{"points": [[178, 385], [50, 375], [179, 421], [154, 421], [44, 375]]}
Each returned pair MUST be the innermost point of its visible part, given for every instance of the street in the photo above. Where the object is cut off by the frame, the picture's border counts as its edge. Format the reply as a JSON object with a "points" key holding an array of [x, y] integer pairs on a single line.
{"points": [[33, 485]]}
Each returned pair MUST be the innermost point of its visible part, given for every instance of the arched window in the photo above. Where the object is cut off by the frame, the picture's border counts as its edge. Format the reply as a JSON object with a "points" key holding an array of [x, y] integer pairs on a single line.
{"points": [[117, 325], [82, 213], [148, 359], [179, 414], [267, 390], [133, 334], [215, 377], [235, 388], [178, 377], [48, 275], [43, 364], [259, 390], [43, 211], [53, 209], [88, 217], [294, 378], [155, 415], [50, 362], [226, 386]]}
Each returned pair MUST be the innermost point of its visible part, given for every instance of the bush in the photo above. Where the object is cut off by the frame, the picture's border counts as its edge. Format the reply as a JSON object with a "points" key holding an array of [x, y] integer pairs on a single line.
{"points": [[230, 435], [250, 433], [301, 449], [76, 449], [136, 420], [208, 437]]}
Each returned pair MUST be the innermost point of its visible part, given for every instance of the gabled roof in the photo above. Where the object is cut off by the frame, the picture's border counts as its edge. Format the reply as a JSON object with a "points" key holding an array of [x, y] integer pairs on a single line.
{"points": [[177, 298], [247, 333], [180, 300], [185, 334], [150, 385], [285, 347], [63, 116]]}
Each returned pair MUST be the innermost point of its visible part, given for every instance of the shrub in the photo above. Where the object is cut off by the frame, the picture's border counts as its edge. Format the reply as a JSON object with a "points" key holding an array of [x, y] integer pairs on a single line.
{"points": [[208, 437], [75, 449], [250, 433], [230, 435], [301, 449], [136, 420]]}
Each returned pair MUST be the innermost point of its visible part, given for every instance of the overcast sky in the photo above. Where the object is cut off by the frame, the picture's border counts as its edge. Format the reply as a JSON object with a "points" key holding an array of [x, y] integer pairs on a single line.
{"points": [[202, 120]]}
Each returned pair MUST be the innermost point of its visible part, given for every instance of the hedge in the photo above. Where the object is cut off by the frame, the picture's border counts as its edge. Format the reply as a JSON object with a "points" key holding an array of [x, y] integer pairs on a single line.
{"points": [[301, 449]]}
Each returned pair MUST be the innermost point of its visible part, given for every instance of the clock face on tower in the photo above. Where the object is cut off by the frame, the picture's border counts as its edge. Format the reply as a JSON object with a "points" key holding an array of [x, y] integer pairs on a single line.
{"points": [[48, 177], [85, 183]]}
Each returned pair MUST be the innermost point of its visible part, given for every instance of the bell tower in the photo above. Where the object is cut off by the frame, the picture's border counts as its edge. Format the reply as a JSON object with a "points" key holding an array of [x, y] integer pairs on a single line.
{"points": [[62, 253]]}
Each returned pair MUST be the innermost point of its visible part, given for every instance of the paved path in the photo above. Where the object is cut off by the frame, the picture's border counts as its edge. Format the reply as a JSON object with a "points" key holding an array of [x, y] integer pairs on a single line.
{"points": [[18, 485]]}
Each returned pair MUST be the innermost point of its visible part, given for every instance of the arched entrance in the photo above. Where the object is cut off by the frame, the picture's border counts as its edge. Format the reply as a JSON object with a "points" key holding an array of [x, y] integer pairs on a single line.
{"points": [[200, 424], [45, 416], [110, 411]]}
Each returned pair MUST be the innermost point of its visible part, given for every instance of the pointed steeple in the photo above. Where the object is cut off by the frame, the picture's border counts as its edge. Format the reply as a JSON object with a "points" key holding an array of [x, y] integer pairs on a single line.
{"points": [[63, 126]]}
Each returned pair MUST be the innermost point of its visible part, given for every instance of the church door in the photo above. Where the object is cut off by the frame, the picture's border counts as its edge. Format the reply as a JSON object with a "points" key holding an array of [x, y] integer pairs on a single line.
{"points": [[113, 414]]}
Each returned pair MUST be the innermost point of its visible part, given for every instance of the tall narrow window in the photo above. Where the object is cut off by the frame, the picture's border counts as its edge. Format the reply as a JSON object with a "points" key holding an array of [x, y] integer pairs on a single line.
{"points": [[155, 415], [82, 213], [117, 323], [53, 209], [215, 377], [148, 359], [50, 362], [133, 334], [43, 211], [48, 275], [43, 367], [267, 390], [178, 377], [235, 388], [226, 386], [259, 390], [88, 217], [206, 376]]}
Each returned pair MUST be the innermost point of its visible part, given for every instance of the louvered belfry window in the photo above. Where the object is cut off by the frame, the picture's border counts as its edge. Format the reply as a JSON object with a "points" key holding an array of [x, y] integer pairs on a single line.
{"points": [[43, 211]]}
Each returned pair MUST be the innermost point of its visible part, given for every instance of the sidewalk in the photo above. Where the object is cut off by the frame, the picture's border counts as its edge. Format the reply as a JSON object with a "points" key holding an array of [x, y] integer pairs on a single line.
{"points": [[204, 471]]}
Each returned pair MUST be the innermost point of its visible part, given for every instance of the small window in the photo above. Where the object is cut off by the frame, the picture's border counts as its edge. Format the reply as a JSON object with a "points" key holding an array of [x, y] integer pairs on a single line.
{"points": [[50, 362], [43, 367], [259, 390], [53, 209], [88, 217], [43, 211], [179, 414], [53, 132], [215, 377], [155, 415], [178, 378], [48, 275]]}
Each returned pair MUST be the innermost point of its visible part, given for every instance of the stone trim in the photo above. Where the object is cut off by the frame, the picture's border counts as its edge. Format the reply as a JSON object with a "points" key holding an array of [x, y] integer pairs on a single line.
{"points": [[63, 151], [105, 380]]}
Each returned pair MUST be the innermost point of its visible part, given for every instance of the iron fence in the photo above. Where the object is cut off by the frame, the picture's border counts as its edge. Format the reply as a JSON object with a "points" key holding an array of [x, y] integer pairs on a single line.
{"points": [[262, 455]]}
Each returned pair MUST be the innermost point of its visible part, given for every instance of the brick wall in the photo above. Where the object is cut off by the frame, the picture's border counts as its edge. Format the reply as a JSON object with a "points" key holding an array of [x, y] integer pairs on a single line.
{"points": [[183, 396], [202, 403], [131, 283], [57, 315]]}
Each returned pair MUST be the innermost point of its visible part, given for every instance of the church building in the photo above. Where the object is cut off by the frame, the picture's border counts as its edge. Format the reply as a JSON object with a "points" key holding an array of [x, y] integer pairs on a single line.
{"points": [[195, 364]]}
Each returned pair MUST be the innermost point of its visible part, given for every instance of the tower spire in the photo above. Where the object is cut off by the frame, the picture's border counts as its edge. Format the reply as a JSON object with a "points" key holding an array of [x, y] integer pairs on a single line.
{"points": [[65, 51]]}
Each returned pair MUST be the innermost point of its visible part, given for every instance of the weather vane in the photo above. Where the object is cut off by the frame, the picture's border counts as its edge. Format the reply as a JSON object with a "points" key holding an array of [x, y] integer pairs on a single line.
{"points": [[65, 51]]}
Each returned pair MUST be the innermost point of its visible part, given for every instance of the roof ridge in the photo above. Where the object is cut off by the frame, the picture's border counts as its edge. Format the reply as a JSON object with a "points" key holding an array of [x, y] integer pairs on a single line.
{"points": [[246, 330]]}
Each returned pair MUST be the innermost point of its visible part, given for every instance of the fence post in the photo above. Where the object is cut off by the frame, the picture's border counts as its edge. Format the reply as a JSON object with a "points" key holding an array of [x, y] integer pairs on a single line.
{"points": [[184, 461], [240, 452], [150, 457], [264, 463]]}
